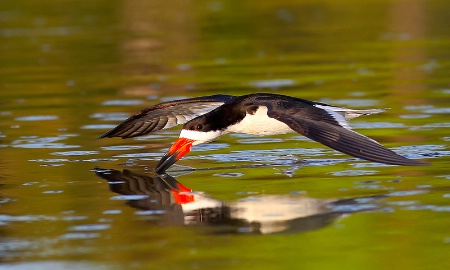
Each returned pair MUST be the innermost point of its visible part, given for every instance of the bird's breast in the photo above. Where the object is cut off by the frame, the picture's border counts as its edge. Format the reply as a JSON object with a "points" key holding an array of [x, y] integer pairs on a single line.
{"points": [[259, 124]]}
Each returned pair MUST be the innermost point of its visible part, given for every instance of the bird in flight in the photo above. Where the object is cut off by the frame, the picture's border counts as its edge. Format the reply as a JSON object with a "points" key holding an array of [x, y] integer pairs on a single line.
{"points": [[207, 118]]}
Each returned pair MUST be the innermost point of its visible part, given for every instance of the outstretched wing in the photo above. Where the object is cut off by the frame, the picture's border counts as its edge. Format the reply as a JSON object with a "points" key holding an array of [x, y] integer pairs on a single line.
{"points": [[166, 115], [349, 142], [322, 123]]}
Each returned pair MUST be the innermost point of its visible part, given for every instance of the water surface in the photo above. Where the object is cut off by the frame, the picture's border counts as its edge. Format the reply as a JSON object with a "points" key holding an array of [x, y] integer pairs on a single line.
{"points": [[71, 71]]}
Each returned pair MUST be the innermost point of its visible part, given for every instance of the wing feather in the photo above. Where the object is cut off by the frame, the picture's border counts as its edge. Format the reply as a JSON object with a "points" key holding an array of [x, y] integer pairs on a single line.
{"points": [[347, 141], [166, 115]]}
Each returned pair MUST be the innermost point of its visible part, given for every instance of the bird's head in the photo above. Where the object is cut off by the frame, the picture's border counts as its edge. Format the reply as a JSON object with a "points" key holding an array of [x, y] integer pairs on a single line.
{"points": [[194, 132]]}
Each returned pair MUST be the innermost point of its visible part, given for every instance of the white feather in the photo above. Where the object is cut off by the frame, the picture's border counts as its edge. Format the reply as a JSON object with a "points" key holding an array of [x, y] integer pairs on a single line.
{"points": [[333, 111], [342, 114], [200, 137], [350, 113], [260, 124]]}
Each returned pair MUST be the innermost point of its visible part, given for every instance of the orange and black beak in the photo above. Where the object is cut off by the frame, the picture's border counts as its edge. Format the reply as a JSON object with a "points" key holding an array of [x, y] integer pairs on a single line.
{"points": [[179, 148]]}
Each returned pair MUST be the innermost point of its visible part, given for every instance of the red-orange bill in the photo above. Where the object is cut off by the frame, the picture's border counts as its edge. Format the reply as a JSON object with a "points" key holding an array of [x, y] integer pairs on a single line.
{"points": [[180, 147]]}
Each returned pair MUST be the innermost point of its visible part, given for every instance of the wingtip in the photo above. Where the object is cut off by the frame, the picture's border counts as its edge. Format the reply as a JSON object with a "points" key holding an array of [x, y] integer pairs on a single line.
{"points": [[102, 136], [415, 162], [400, 161], [112, 133]]}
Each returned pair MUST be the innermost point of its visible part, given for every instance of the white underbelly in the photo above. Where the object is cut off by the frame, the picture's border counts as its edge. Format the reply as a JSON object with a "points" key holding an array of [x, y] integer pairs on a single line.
{"points": [[259, 124]]}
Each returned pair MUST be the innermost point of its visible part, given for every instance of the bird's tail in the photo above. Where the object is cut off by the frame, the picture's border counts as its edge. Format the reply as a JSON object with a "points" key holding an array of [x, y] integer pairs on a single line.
{"points": [[350, 113]]}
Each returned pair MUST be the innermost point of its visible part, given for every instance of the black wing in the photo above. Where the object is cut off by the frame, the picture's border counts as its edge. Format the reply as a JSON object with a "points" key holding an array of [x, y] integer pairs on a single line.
{"points": [[328, 128], [166, 115], [349, 142]]}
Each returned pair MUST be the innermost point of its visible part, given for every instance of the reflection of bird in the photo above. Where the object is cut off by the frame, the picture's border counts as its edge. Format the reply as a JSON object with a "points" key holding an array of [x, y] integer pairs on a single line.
{"points": [[171, 203], [207, 118]]}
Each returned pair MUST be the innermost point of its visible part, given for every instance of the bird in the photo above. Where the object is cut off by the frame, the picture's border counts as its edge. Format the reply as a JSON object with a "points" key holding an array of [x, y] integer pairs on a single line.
{"points": [[207, 118]]}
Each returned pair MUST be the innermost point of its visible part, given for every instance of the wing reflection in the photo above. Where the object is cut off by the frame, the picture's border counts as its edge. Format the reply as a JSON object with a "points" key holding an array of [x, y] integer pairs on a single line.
{"points": [[171, 203]]}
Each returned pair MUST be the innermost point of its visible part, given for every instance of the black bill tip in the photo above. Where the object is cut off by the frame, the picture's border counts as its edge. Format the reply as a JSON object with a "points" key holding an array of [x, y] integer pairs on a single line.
{"points": [[166, 161]]}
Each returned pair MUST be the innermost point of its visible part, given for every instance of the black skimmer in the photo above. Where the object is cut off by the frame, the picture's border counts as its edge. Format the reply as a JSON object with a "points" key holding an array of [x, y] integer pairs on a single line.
{"points": [[207, 118]]}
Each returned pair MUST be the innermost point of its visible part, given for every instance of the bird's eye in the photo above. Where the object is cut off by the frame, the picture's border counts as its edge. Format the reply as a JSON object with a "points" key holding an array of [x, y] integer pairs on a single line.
{"points": [[199, 127]]}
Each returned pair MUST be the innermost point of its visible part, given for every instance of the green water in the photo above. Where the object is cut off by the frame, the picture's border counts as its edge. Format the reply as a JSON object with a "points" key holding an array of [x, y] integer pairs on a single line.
{"points": [[71, 70]]}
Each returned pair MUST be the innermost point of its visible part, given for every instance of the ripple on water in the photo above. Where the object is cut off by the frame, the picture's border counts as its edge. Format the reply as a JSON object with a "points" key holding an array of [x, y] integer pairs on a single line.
{"points": [[79, 235], [72, 218], [172, 98], [52, 191], [368, 182], [287, 152], [37, 118], [24, 218], [354, 172], [50, 160], [414, 116], [111, 212], [210, 147], [422, 151], [47, 145], [97, 126], [51, 165], [5, 200], [45, 142], [149, 212], [138, 155], [260, 140], [407, 193], [368, 164], [371, 187], [272, 83], [403, 203], [122, 147], [435, 208], [437, 111], [98, 160], [90, 227], [110, 116], [372, 125], [278, 156], [122, 102], [447, 177], [441, 208], [228, 174], [75, 153], [246, 192], [59, 161], [351, 208], [129, 197], [433, 125], [418, 107]]}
